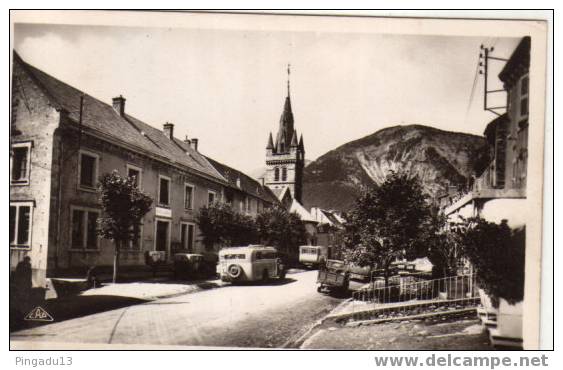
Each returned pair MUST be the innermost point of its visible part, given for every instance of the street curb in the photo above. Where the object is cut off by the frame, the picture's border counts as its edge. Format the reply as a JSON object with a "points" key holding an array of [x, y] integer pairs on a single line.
{"points": [[338, 318], [460, 312], [302, 338]]}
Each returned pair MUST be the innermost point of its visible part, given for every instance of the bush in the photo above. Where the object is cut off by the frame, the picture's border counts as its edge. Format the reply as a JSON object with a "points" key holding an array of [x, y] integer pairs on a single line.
{"points": [[498, 255], [219, 224]]}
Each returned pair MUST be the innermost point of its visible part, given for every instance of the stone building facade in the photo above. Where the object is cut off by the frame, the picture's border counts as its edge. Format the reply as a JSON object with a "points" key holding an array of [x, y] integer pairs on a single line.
{"points": [[63, 140]]}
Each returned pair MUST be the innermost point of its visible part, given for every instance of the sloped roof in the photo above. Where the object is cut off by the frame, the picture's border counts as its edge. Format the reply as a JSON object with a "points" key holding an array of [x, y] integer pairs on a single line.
{"points": [[247, 183], [301, 211], [280, 193], [101, 117], [285, 131], [333, 218], [518, 63]]}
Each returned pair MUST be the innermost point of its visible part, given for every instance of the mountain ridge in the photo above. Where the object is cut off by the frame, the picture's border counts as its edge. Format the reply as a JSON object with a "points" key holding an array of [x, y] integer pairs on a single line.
{"points": [[438, 157]]}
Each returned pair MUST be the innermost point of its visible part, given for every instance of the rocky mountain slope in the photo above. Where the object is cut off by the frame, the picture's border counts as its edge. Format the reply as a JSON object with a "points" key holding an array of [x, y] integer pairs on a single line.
{"points": [[437, 157]]}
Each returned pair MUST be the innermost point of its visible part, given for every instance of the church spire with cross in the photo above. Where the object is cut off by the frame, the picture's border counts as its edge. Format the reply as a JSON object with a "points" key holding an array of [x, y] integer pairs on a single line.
{"points": [[285, 156], [285, 129]]}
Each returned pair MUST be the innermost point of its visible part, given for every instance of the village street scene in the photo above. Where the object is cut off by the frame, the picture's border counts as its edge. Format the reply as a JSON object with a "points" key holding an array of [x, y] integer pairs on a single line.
{"points": [[269, 197]]}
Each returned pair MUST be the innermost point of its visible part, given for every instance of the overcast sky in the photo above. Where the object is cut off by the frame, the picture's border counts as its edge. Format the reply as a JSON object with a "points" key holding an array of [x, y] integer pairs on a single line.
{"points": [[227, 87]]}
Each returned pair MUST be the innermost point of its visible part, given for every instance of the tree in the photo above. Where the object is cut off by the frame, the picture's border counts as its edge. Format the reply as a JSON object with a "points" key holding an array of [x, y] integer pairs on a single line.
{"points": [[215, 223], [219, 224], [440, 243], [124, 206], [285, 230], [243, 230], [498, 255], [386, 222]]}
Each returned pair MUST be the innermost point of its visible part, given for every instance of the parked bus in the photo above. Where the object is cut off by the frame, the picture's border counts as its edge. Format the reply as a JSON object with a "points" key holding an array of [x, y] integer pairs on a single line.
{"points": [[250, 263], [313, 255]]}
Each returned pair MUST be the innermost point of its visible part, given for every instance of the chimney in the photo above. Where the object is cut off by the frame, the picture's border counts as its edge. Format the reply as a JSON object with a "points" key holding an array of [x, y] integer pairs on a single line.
{"points": [[119, 105], [168, 129], [186, 140], [194, 143]]}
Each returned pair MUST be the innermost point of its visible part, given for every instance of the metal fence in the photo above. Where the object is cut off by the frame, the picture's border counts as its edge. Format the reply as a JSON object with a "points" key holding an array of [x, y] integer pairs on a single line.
{"points": [[416, 288]]}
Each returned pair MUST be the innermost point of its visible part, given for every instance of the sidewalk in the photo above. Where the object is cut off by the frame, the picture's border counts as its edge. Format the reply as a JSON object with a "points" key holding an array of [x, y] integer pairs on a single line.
{"points": [[111, 297], [440, 334]]}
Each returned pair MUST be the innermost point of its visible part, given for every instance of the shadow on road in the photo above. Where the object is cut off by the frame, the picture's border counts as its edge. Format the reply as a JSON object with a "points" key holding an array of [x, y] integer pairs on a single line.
{"points": [[70, 307], [273, 282]]}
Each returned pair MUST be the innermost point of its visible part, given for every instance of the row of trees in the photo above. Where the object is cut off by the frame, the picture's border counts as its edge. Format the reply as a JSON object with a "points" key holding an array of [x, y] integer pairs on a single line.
{"points": [[390, 221], [397, 220], [220, 225], [124, 206]]}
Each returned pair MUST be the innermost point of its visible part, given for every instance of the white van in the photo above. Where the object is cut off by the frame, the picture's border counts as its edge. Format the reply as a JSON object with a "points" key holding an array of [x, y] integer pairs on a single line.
{"points": [[251, 263], [313, 255]]}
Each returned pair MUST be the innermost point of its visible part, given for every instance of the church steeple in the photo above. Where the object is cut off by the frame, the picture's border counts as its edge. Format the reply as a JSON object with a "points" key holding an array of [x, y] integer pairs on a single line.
{"points": [[285, 131], [270, 142], [285, 154], [288, 75], [294, 143]]}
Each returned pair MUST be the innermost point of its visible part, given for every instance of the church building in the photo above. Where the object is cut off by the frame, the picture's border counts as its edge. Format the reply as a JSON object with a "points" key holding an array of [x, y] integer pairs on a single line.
{"points": [[285, 158]]}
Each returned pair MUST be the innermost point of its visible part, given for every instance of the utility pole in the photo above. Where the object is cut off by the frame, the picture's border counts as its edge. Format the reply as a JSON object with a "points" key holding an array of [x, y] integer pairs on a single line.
{"points": [[484, 57]]}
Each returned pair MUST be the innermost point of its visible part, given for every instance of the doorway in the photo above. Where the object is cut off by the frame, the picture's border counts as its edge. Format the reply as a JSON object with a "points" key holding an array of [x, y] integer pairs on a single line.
{"points": [[161, 238]]}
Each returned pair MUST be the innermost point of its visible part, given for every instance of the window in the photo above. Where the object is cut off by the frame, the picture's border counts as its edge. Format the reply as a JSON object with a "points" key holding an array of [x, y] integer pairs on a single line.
{"points": [[88, 170], [83, 228], [187, 236], [188, 196], [524, 88], [135, 243], [211, 197], [241, 256], [276, 174], [164, 191], [21, 214], [137, 173], [20, 163], [284, 174], [524, 107]]}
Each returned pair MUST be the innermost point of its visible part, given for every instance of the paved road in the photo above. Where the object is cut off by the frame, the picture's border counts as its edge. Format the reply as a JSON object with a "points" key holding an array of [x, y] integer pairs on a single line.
{"points": [[235, 316]]}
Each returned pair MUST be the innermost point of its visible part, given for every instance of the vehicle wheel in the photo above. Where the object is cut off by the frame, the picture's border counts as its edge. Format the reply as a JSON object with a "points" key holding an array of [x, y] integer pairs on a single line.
{"points": [[234, 271], [319, 288], [265, 276], [282, 274]]}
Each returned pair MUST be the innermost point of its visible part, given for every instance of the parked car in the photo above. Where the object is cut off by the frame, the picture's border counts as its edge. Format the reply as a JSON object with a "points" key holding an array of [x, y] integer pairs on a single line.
{"points": [[334, 276], [250, 263], [361, 273], [209, 265], [313, 255], [187, 265]]}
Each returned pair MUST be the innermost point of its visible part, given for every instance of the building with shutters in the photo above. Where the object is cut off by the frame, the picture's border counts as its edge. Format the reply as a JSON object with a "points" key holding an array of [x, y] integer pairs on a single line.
{"points": [[62, 140]]}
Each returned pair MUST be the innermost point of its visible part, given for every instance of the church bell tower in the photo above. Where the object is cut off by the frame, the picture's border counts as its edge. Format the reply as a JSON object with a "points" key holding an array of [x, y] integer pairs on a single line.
{"points": [[285, 158]]}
